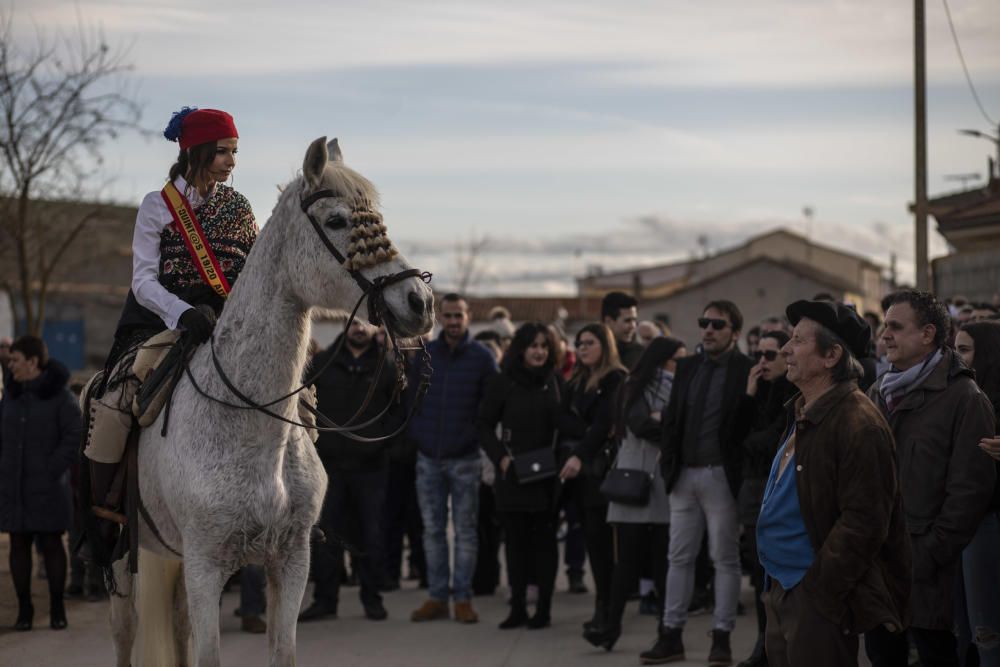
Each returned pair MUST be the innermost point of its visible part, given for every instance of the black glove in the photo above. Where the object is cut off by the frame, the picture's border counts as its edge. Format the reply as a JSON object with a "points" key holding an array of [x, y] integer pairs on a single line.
{"points": [[198, 326]]}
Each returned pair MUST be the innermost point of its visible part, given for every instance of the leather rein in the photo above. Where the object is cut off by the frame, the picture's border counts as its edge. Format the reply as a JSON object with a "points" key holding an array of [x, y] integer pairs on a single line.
{"points": [[374, 292]]}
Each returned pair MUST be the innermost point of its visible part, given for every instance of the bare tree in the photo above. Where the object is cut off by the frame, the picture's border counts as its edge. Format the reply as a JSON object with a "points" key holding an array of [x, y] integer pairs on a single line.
{"points": [[468, 261], [61, 101]]}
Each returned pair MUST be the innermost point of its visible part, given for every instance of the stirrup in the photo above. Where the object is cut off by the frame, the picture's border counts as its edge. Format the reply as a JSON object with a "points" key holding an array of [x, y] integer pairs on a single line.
{"points": [[108, 515]]}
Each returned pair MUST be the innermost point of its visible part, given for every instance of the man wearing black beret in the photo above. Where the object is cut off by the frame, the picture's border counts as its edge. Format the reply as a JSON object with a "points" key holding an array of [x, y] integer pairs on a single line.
{"points": [[830, 535]]}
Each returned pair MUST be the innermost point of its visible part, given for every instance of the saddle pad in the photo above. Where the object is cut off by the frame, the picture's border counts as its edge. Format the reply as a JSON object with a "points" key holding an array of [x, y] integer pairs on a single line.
{"points": [[156, 386]]}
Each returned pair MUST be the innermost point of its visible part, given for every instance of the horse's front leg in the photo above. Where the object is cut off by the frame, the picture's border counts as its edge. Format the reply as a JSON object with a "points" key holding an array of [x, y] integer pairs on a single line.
{"points": [[203, 581], [124, 620], [287, 575]]}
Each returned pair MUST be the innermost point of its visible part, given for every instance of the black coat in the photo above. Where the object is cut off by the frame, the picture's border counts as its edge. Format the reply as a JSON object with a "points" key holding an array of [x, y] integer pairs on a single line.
{"points": [[40, 429], [526, 406], [340, 391], [764, 417], [731, 429], [586, 426]]}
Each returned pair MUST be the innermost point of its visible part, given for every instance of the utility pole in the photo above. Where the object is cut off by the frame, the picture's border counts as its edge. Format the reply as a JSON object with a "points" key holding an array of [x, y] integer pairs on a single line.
{"points": [[920, 153]]}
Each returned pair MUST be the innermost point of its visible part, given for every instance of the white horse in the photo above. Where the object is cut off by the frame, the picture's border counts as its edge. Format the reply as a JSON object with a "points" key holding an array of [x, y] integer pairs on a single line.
{"points": [[228, 487]]}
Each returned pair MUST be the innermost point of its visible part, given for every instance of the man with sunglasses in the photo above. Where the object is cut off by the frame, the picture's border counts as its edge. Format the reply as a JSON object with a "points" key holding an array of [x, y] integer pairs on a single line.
{"points": [[702, 465]]}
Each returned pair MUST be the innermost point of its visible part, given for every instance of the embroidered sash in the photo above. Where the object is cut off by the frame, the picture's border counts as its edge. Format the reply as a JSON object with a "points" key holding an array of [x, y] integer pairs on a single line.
{"points": [[190, 230]]}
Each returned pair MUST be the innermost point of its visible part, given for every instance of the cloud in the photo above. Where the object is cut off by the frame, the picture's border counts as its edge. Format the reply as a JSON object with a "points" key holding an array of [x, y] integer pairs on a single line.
{"points": [[688, 42]]}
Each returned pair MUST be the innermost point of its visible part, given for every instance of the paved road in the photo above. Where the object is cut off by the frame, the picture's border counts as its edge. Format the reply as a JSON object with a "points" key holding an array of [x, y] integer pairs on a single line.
{"points": [[353, 640]]}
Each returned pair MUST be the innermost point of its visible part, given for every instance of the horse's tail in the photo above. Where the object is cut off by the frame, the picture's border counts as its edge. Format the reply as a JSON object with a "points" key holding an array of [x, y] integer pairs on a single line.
{"points": [[158, 581]]}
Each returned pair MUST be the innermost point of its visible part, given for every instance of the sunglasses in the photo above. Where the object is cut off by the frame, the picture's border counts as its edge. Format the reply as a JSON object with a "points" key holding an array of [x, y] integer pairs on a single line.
{"points": [[718, 325], [770, 355]]}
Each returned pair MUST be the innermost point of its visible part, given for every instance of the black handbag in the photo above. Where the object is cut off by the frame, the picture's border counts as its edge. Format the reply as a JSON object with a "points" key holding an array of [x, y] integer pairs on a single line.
{"points": [[627, 486], [534, 466]]}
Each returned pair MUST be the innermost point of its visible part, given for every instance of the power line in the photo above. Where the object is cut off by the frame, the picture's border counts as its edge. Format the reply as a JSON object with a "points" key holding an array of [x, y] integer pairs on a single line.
{"points": [[968, 78]]}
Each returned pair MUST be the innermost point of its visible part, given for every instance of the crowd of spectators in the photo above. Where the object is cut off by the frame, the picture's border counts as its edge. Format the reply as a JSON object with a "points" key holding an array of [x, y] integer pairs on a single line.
{"points": [[845, 462]]}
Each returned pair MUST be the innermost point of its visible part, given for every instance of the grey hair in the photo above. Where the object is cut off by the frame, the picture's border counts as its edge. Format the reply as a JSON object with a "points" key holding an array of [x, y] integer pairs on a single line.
{"points": [[848, 367]]}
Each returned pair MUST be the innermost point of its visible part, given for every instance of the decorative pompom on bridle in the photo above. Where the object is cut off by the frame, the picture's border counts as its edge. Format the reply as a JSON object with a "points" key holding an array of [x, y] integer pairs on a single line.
{"points": [[369, 243], [173, 131]]}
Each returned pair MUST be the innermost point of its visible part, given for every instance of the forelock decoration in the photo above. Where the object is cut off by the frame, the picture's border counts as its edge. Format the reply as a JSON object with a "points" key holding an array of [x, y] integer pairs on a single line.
{"points": [[369, 242]]}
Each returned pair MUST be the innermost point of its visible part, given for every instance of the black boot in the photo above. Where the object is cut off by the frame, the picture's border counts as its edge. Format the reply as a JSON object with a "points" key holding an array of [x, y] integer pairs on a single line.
{"points": [[600, 617], [517, 617], [603, 636], [25, 616], [542, 617], [57, 613], [720, 654], [102, 477], [668, 648]]}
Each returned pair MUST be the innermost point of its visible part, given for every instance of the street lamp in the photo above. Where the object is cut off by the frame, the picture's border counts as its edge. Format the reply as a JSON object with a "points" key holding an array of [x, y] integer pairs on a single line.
{"points": [[988, 137]]}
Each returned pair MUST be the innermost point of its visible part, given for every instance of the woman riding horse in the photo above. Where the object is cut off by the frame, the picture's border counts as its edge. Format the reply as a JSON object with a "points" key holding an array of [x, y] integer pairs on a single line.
{"points": [[190, 243]]}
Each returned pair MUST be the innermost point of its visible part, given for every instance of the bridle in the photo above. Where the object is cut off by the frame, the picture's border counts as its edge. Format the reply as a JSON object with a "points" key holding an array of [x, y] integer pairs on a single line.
{"points": [[378, 313]]}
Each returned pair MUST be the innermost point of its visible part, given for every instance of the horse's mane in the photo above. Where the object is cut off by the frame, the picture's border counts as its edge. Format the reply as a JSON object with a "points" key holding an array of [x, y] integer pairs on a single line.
{"points": [[349, 184]]}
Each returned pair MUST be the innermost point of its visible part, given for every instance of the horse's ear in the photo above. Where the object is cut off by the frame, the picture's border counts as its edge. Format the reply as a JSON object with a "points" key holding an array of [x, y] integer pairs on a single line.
{"points": [[333, 148], [315, 162]]}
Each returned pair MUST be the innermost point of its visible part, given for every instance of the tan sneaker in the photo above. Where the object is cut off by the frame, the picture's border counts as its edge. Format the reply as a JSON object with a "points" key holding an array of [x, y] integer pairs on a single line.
{"points": [[464, 613], [431, 610]]}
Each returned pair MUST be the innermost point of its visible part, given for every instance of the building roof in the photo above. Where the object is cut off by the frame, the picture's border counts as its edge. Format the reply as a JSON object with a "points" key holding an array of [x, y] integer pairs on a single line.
{"points": [[662, 280], [798, 269], [679, 268], [969, 218]]}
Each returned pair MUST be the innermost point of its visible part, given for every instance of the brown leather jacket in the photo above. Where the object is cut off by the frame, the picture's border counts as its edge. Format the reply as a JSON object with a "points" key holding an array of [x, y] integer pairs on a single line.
{"points": [[945, 478], [852, 510]]}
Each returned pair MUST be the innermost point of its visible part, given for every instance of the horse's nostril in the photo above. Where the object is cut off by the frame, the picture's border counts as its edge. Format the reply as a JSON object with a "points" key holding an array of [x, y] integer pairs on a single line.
{"points": [[416, 303]]}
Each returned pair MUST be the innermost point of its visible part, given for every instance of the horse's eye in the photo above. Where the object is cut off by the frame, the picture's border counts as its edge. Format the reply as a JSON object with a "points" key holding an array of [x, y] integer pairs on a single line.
{"points": [[336, 221]]}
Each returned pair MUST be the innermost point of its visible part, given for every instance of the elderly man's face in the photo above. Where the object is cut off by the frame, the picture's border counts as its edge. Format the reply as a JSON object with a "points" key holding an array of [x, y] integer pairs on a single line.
{"points": [[802, 357]]}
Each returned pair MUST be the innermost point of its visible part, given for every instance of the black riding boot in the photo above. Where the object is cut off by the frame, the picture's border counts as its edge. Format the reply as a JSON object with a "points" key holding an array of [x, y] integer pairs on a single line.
{"points": [[97, 541], [102, 477]]}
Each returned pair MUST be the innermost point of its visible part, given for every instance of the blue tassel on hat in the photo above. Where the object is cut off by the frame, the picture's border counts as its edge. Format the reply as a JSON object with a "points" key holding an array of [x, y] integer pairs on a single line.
{"points": [[173, 131]]}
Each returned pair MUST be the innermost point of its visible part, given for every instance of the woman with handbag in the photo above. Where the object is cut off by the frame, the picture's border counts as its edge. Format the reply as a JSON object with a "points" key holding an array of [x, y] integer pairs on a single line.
{"points": [[517, 425], [586, 428], [638, 508]]}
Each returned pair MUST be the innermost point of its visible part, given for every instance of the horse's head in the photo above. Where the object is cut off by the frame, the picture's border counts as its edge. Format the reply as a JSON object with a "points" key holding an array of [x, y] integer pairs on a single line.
{"points": [[344, 248]]}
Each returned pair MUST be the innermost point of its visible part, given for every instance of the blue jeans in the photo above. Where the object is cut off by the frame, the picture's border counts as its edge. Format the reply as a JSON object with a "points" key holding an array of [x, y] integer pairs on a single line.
{"points": [[437, 479], [981, 570]]}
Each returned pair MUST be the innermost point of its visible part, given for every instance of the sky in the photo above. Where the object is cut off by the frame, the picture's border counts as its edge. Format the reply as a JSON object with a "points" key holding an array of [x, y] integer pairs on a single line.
{"points": [[566, 137]]}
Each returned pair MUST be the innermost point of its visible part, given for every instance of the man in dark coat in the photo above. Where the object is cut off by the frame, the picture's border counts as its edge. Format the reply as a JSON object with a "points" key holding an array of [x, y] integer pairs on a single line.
{"points": [[830, 534], [938, 416], [40, 429], [702, 465], [358, 471]]}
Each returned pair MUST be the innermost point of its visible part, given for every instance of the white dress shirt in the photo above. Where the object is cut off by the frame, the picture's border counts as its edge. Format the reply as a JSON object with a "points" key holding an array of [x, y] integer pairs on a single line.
{"points": [[153, 216]]}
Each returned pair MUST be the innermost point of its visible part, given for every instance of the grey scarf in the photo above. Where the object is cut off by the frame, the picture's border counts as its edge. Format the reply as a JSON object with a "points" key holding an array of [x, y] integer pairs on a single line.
{"points": [[896, 384]]}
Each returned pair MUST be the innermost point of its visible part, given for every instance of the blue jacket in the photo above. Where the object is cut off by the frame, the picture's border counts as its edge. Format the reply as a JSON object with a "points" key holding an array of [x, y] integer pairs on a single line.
{"points": [[445, 425]]}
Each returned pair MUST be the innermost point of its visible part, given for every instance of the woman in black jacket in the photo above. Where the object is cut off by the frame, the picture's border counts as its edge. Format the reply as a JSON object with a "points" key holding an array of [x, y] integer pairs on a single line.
{"points": [[522, 404], [40, 430], [642, 533], [586, 429]]}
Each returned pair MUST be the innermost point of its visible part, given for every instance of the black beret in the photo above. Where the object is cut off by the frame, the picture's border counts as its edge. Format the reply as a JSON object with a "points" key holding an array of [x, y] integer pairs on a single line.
{"points": [[839, 319]]}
